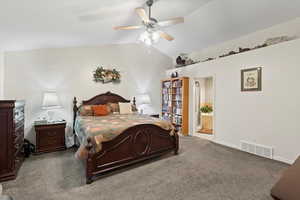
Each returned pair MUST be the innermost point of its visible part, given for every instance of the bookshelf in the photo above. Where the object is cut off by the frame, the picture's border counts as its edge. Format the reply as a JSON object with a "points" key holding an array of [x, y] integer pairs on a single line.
{"points": [[175, 103]]}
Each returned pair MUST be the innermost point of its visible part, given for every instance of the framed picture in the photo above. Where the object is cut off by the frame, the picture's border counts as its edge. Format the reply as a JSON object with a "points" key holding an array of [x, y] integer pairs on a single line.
{"points": [[251, 79]]}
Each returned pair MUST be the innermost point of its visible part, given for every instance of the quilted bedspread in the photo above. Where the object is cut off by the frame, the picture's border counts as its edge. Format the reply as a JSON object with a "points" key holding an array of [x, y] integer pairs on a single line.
{"points": [[106, 128]]}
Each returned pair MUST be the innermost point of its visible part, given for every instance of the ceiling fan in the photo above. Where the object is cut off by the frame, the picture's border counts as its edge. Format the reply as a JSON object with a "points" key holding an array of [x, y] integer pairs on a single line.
{"points": [[152, 26]]}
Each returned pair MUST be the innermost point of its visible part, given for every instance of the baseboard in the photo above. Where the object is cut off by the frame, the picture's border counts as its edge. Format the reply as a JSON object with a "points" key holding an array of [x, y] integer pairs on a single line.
{"points": [[227, 144], [277, 158], [284, 160]]}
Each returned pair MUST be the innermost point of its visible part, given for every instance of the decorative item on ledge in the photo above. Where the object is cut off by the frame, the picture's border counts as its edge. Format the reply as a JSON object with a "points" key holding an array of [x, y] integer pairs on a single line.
{"points": [[174, 75], [106, 75], [184, 60]]}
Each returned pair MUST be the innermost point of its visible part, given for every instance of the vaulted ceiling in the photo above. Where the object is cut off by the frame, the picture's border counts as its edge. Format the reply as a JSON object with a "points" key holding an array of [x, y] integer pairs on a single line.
{"points": [[62, 23]]}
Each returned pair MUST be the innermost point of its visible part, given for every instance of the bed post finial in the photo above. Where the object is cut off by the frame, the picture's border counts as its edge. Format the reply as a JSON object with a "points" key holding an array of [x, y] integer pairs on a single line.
{"points": [[75, 109], [134, 101], [89, 145], [75, 101]]}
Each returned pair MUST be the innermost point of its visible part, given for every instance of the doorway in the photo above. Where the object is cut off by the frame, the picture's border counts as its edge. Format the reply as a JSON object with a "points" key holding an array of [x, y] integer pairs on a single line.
{"points": [[204, 107]]}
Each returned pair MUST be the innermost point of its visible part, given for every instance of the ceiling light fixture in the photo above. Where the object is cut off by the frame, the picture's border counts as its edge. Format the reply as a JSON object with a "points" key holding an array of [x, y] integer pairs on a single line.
{"points": [[149, 37], [153, 27]]}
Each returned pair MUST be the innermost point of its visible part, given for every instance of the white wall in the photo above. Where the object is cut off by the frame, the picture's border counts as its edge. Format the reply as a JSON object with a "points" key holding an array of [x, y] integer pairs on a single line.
{"points": [[290, 28], [209, 90], [70, 70], [270, 117], [1, 75]]}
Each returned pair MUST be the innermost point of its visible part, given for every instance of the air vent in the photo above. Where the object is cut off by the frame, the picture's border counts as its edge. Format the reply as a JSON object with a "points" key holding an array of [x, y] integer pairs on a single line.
{"points": [[257, 149]]}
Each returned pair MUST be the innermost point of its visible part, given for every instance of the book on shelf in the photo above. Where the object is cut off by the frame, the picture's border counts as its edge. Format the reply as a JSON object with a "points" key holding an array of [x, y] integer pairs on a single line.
{"points": [[167, 116], [167, 84], [177, 120], [177, 111], [177, 83], [178, 90], [175, 93], [178, 97]]}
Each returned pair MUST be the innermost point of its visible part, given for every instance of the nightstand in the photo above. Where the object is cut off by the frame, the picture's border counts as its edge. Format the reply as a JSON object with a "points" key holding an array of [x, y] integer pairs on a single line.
{"points": [[50, 137]]}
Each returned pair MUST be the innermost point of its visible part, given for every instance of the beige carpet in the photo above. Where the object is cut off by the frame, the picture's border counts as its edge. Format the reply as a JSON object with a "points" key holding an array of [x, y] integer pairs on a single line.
{"points": [[202, 171]]}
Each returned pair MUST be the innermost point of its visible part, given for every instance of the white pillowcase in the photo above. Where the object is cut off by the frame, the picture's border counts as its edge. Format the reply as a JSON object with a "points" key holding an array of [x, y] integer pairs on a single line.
{"points": [[125, 108]]}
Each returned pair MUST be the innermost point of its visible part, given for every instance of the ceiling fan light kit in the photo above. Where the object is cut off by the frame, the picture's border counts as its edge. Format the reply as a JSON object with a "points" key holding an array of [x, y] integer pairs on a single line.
{"points": [[149, 37], [152, 26]]}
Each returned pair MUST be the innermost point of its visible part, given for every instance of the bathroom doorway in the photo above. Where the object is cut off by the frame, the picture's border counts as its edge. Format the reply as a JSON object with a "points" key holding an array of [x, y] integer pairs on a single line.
{"points": [[204, 107]]}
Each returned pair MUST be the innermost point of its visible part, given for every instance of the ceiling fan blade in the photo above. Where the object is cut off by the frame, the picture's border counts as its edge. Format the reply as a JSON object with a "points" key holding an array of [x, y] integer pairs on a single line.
{"points": [[170, 22], [142, 13], [165, 36], [127, 27]]}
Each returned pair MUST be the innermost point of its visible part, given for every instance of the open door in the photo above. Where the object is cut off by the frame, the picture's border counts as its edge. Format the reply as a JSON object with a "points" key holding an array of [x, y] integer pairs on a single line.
{"points": [[204, 107]]}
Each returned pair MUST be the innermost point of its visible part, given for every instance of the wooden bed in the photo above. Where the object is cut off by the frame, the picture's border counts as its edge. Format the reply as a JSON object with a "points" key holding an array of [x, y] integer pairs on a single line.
{"points": [[136, 144]]}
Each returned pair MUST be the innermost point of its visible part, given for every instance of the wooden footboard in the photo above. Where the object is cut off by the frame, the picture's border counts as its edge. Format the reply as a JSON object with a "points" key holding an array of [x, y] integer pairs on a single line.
{"points": [[136, 144]]}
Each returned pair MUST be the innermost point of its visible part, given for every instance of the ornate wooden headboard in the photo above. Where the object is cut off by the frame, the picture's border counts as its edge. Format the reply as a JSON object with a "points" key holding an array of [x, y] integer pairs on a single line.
{"points": [[105, 98]]}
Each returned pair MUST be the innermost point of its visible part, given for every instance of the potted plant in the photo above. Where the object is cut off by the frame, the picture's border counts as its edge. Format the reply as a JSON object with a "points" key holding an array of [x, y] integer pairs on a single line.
{"points": [[206, 110]]}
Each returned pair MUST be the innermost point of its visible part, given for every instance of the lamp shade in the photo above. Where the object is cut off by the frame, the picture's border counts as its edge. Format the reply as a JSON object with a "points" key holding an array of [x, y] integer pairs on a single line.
{"points": [[50, 100], [143, 99]]}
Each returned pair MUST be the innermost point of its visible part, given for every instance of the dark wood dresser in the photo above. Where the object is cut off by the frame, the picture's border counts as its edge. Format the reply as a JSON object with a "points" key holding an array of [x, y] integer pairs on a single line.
{"points": [[50, 137], [11, 138]]}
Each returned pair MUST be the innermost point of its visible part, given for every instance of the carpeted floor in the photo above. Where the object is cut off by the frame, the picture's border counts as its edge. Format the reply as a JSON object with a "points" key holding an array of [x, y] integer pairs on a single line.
{"points": [[202, 171]]}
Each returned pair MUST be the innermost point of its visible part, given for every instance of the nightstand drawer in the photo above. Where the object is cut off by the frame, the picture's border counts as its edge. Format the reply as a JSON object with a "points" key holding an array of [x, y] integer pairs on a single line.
{"points": [[51, 142], [52, 133]]}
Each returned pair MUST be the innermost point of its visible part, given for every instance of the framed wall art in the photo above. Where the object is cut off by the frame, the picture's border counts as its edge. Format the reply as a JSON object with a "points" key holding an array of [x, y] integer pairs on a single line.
{"points": [[251, 79]]}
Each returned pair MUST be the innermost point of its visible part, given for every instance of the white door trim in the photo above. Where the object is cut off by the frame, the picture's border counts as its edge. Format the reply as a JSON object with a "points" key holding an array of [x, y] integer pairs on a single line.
{"points": [[194, 79]]}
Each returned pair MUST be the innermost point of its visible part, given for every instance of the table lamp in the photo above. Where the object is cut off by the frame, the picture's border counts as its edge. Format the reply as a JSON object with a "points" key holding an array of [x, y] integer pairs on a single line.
{"points": [[50, 103], [143, 100]]}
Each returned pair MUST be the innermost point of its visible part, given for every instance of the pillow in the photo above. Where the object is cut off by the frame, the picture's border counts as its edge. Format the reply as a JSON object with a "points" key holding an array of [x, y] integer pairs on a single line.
{"points": [[125, 108], [100, 110], [114, 107], [287, 187], [86, 110]]}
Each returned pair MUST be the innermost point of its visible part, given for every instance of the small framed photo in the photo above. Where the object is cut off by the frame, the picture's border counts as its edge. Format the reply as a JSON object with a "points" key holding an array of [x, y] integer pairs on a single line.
{"points": [[251, 79]]}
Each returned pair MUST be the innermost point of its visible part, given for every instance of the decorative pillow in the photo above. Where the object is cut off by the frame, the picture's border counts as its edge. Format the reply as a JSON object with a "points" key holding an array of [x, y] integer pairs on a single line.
{"points": [[114, 107], [108, 109], [125, 108], [86, 110], [287, 187], [100, 110]]}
